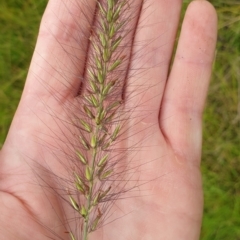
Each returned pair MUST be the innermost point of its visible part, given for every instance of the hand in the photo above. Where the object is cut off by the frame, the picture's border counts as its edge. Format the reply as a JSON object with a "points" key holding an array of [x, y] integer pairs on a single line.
{"points": [[33, 158]]}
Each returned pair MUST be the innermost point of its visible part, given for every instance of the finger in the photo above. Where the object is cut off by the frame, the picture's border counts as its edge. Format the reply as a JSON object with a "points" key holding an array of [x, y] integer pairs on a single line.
{"points": [[58, 61], [186, 90], [153, 46]]}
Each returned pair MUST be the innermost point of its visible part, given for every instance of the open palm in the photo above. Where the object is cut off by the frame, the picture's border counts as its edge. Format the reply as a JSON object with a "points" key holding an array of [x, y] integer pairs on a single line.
{"points": [[168, 206]]}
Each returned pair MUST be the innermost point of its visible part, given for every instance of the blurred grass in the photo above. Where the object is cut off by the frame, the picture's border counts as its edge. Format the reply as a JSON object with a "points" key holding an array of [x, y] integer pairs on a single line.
{"points": [[19, 22], [221, 147]]}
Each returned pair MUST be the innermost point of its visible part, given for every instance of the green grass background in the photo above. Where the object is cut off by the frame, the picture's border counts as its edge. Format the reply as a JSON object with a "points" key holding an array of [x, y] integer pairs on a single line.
{"points": [[19, 22]]}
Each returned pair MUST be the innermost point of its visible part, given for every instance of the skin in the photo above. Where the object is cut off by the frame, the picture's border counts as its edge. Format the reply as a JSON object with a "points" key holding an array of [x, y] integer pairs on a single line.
{"points": [[168, 207]]}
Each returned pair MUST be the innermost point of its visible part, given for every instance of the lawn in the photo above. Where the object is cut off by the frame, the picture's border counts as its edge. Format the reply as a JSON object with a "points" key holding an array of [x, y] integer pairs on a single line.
{"points": [[19, 22]]}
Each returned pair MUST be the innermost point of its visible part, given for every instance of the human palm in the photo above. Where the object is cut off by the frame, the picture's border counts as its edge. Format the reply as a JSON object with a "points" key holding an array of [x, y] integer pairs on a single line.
{"points": [[168, 203]]}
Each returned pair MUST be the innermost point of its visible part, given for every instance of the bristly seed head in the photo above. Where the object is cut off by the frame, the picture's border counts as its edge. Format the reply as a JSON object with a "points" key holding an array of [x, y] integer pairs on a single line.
{"points": [[100, 106]]}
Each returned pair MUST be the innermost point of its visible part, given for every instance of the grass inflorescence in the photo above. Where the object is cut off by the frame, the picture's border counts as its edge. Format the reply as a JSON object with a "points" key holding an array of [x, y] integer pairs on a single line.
{"points": [[101, 121], [100, 108]]}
